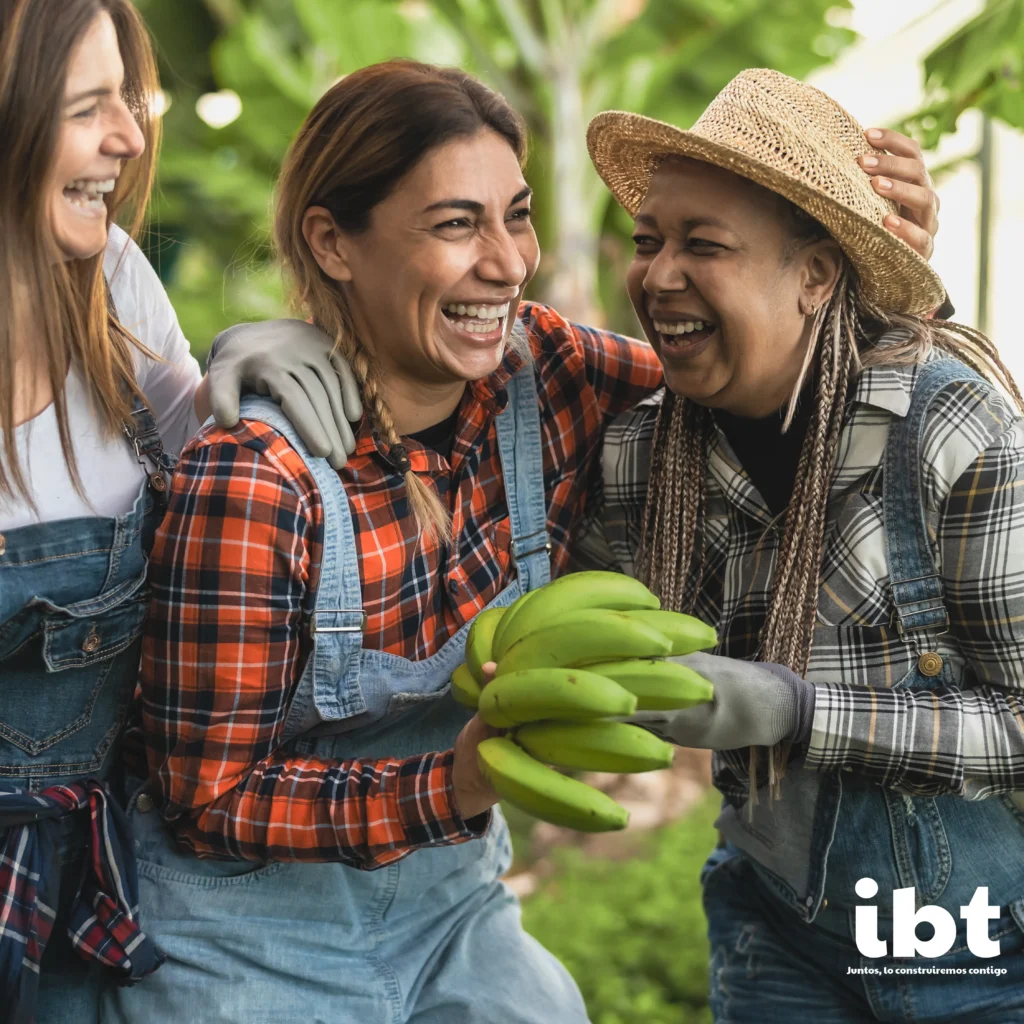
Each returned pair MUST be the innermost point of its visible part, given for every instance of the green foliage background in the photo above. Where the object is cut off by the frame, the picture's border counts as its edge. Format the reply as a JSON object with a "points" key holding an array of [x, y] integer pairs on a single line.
{"points": [[558, 61], [632, 933]]}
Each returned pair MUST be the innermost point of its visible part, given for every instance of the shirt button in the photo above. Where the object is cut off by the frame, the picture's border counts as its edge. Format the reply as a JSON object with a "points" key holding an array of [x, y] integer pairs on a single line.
{"points": [[453, 587], [810, 901], [91, 642], [144, 804], [929, 664]]}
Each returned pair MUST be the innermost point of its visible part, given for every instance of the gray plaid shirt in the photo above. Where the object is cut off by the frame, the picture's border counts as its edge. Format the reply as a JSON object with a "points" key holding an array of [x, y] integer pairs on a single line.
{"points": [[967, 738]]}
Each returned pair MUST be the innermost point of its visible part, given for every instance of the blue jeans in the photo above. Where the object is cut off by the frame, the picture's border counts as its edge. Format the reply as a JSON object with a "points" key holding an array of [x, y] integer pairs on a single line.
{"points": [[767, 965]]}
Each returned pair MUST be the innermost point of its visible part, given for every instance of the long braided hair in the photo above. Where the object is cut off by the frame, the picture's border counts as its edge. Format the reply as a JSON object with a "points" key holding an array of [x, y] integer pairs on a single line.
{"points": [[843, 341], [363, 136]]}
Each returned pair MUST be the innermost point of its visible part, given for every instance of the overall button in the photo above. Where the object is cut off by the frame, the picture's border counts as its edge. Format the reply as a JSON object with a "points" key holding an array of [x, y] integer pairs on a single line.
{"points": [[158, 482], [144, 804], [91, 642], [3, 543], [929, 664]]}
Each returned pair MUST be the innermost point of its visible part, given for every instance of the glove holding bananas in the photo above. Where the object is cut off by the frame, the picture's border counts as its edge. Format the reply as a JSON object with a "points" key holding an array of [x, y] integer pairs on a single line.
{"points": [[572, 660], [755, 704]]}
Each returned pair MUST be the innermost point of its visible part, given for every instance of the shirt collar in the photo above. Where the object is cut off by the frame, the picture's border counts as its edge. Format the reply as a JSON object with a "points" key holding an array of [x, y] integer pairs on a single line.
{"points": [[491, 392], [886, 387]]}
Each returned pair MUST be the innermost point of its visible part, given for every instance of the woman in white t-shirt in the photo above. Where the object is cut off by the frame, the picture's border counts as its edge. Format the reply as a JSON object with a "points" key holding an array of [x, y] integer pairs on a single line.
{"points": [[98, 394]]}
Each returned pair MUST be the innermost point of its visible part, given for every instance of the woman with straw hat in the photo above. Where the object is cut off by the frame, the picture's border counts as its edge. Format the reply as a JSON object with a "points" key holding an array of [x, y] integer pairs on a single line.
{"points": [[836, 483]]}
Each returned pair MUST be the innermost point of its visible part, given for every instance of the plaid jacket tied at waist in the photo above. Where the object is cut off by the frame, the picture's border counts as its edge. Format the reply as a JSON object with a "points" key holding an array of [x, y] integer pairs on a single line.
{"points": [[103, 924]]}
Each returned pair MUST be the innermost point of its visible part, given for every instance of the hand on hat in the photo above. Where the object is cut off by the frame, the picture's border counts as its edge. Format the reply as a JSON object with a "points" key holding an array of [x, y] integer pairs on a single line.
{"points": [[899, 174]]}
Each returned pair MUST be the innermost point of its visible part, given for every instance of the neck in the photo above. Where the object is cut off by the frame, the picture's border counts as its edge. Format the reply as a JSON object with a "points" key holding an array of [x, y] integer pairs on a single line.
{"points": [[416, 406]]}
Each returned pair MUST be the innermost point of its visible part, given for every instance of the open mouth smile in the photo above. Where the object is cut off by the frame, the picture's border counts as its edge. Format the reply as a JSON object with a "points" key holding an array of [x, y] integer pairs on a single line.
{"points": [[484, 321], [683, 337], [87, 195]]}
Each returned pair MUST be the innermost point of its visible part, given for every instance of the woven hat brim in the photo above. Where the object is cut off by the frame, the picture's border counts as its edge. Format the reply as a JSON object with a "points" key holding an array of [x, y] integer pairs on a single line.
{"points": [[624, 146]]}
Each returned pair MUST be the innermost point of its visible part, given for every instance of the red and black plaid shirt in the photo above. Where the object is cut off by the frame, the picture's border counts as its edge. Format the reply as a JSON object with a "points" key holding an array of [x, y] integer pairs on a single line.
{"points": [[234, 575]]}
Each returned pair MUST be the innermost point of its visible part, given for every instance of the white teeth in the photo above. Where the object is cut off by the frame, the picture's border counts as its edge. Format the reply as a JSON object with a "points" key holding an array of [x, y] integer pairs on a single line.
{"points": [[679, 327], [481, 312], [92, 187], [478, 328]]}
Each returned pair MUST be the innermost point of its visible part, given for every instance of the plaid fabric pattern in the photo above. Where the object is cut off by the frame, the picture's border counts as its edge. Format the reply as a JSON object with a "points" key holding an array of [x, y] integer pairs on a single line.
{"points": [[234, 575], [967, 738], [103, 923]]}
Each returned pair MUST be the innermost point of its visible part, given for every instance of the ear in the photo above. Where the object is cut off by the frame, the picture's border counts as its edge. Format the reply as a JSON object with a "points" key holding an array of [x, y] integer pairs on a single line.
{"points": [[822, 264], [327, 243]]}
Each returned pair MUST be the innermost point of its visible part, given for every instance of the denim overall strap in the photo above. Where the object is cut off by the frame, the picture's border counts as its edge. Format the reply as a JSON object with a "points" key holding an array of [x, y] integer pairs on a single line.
{"points": [[519, 442], [916, 587], [144, 436], [331, 691]]}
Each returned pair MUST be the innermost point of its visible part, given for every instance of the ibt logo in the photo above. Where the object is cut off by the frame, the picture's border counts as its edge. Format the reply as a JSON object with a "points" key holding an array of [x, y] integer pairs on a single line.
{"points": [[905, 919]]}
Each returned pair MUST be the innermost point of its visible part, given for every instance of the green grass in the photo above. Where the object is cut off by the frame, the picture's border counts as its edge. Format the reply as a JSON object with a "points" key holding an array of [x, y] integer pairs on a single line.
{"points": [[632, 932]]}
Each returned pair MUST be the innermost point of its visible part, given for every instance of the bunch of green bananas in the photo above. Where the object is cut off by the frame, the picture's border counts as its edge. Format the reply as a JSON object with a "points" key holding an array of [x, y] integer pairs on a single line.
{"points": [[586, 648]]}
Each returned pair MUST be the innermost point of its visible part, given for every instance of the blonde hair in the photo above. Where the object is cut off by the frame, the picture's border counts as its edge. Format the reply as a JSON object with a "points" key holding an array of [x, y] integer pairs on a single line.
{"points": [[363, 136], [68, 299], [843, 341]]}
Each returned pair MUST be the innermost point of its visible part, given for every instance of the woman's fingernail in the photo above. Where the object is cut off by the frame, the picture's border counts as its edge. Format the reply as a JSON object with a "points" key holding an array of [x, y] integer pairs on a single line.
{"points": [[869, 161], [875, 133], [893, 222], [884, 183]]}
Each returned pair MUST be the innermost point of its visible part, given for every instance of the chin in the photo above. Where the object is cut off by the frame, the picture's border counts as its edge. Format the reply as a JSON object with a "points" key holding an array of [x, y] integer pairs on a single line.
{"points": [[701, 391], [81, 241]]}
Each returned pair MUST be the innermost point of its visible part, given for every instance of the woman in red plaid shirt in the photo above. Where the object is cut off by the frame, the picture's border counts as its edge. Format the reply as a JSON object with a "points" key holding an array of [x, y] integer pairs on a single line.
{"points": [[305, 623]]}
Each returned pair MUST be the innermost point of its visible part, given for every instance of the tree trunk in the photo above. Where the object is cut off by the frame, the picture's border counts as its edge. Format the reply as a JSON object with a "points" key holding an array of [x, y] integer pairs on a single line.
{"points": [[572, 280]]}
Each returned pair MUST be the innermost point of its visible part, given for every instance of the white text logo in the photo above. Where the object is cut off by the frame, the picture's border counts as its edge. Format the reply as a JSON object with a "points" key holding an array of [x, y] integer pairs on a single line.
{"points": [[905, 919]]}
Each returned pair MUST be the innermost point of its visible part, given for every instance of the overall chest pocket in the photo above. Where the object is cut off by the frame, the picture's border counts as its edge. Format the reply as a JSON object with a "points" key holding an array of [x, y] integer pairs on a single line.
{"points": [[68, 676]]}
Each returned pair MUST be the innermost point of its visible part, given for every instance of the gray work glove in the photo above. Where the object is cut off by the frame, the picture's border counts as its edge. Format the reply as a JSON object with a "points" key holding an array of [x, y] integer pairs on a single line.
{"points": [[292, 362], [756, 704]]}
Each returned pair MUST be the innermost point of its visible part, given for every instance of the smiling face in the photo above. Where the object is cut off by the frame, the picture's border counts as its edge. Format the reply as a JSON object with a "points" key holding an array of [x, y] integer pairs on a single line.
{"points": [[723, 288], [97, 135], [434, 283]]}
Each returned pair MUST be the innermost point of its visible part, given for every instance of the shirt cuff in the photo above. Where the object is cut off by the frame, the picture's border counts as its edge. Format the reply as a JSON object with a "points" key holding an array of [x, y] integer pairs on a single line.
{"points": [[848, 724], [426, 803], [904, 740]]}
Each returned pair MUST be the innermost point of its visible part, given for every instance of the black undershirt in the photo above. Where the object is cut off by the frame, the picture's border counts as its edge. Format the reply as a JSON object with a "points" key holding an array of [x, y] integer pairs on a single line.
{"points": [[440, 436], [769, 456]]}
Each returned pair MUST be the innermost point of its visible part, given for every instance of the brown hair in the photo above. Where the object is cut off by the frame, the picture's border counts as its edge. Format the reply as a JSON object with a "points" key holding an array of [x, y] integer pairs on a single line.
{"points": [[366, 133], [68, 299], [844, 337]]}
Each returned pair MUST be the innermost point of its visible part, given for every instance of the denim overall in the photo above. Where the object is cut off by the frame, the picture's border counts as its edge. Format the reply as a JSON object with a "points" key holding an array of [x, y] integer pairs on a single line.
{"points": [[72, 601], [802, 857], [432, 939]]}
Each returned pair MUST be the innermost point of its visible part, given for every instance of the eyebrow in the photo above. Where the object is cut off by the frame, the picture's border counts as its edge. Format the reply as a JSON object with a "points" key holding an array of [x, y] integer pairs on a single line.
{"points": [[88, 94], [693, 222], [472, 205]]}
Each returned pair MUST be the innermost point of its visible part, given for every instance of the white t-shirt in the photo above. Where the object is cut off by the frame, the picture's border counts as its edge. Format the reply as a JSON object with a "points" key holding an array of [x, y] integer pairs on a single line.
{"points": [[110, 473]]}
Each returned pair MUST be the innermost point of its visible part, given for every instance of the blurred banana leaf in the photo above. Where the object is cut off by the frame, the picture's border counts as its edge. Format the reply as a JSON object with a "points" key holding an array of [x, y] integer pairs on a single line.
{"points": [[980, 66]]}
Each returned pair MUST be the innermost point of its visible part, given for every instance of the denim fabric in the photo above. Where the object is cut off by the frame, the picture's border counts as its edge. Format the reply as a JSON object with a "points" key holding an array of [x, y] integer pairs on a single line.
{"points": [[72, 601], [768, 965], [432, 939]]}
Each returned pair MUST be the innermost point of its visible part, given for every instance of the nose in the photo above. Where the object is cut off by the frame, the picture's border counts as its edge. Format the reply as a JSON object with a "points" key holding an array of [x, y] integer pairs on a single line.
{"points": [[665, 273], [124, 140], [500, 261]]}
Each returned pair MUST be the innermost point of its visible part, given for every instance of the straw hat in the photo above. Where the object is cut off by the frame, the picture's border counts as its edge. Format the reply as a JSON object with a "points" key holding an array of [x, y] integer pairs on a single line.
{"points": [[790, 138]]}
